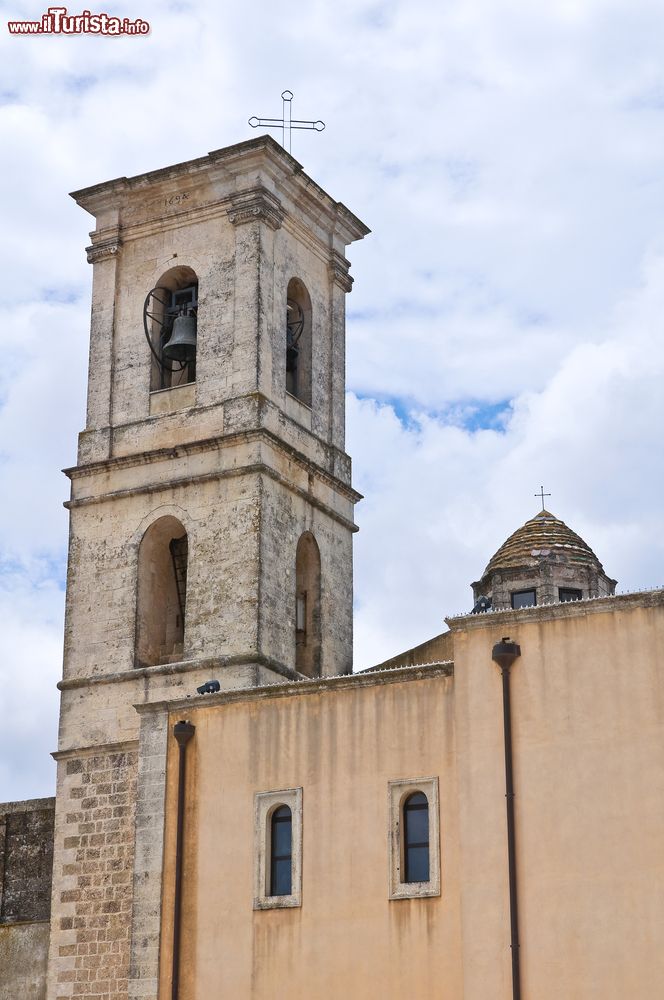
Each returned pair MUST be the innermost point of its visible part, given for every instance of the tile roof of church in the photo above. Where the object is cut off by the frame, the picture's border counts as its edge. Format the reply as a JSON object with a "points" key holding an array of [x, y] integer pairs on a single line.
{"points": [[539, 536]]}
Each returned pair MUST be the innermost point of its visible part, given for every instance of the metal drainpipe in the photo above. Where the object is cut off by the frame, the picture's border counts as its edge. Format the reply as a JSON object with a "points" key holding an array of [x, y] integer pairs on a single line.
{"points": [[183, 732], [504, 654]]}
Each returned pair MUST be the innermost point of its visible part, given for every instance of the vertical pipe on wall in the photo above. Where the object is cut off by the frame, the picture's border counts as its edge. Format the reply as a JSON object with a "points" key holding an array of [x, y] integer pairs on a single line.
{"points": [[504, 654], [183, 732]]}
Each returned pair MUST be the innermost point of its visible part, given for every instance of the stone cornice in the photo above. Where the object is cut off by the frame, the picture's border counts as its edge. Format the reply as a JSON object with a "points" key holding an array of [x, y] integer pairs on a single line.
{"points": [[105, 244], [207, 663], [241, 160], [91, 751], [307, 237], [510, 617], [214, 444], [349, 223], [338, 269], [304, 686], [174, 219], [256, 205], [257, 468]]}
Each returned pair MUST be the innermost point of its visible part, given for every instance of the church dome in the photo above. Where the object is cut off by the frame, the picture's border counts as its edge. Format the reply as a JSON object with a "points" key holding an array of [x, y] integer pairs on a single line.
{"points": [[539, 536], [542, 562]]}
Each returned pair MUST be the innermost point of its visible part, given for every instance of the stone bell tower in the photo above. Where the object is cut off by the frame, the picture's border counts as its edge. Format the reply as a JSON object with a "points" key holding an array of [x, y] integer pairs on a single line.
{"points": [[211, 504]]}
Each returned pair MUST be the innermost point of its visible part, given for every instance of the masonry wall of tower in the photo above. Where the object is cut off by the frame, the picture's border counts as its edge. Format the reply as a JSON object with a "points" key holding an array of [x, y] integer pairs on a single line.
{"points": [[138, 460], [93, 874], [244, 247], [285, 517], [230, 462]]}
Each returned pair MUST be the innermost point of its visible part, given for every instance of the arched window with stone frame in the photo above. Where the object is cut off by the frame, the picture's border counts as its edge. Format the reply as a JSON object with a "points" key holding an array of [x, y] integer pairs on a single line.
{"points": [[298, 341], [414, 838], [308, 606], [171, 326], [161, 597], [278, 849]]}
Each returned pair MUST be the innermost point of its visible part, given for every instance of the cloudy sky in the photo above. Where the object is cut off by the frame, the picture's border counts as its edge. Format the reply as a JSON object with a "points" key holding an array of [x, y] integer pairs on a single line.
{"points": [[505, 329]]}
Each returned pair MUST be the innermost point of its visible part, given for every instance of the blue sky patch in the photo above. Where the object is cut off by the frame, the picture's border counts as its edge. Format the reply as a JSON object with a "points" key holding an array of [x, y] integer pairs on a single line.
{"points": [[468, 415], [80, 84], [480, 416], [42, 569], [64, 296]]}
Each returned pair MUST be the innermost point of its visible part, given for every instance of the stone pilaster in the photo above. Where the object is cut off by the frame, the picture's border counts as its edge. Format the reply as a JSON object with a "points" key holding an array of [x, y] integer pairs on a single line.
{"points": [[340, 284], [103, 254], [256, 214], [148, 858], [93, 874]]}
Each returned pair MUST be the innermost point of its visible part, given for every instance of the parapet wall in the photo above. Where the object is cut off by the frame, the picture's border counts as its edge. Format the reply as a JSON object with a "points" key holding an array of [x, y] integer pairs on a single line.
{"points": [[26, 860], [26, 863]]}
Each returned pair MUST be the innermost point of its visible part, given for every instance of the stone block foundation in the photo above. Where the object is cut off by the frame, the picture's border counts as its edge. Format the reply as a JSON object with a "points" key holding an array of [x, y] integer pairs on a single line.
{"points": [[93, 875]]}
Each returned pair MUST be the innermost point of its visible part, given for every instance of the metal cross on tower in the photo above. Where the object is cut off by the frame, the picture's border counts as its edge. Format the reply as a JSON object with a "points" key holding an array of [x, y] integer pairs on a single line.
{"points": [[286, 123], [541, 495]]}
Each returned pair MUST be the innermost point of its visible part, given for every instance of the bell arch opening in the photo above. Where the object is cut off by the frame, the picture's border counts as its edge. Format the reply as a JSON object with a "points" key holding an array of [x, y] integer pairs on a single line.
{"points": [[161, 596], [298, 341], [170, 317], [307, 606]]}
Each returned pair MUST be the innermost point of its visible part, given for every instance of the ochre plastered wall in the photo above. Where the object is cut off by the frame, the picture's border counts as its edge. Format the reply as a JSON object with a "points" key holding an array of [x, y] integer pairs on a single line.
{"points": [[588, 731], [347, 939]]}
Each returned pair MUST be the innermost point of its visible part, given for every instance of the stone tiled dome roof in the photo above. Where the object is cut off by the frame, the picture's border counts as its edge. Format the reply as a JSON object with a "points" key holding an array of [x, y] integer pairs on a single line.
{"points": [[543, 535]]}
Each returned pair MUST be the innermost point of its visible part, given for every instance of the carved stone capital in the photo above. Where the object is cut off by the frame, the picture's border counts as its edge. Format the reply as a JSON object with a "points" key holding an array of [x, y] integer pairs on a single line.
{"points": [[338, 268], [105, 244], [254, 205]]}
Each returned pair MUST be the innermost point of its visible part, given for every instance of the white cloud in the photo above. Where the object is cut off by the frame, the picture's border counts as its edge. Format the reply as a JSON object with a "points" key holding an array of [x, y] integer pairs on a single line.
{"points": [[508, 158], [31, 612], [446, 498]]}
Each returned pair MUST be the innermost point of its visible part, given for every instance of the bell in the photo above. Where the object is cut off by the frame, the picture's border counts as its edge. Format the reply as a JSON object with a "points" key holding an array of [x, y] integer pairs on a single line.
{"points": [[182, 343]]}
